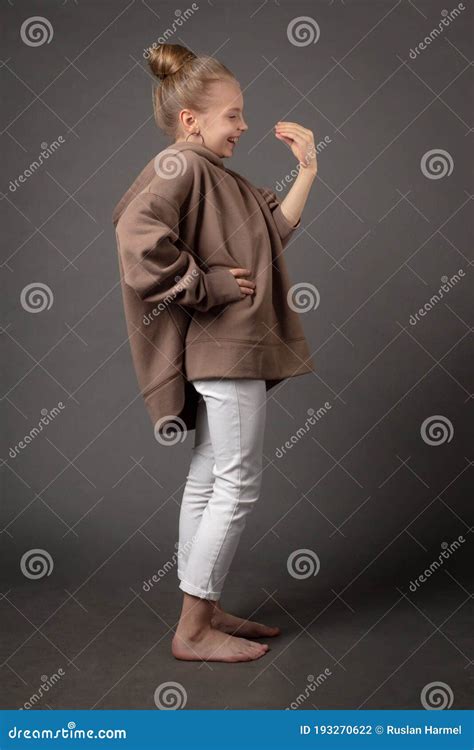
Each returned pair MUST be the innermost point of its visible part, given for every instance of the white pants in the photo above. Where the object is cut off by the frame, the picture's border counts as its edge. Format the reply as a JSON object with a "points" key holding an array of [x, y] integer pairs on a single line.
{"points": [[223, 483]]}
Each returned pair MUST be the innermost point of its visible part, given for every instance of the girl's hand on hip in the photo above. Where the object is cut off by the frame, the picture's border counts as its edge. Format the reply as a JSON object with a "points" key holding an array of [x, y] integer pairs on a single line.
{"points": [[301, 142], [246, 285]]}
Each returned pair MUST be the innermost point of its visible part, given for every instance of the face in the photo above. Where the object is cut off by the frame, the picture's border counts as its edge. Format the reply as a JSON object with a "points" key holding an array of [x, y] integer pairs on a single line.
{"points": [[223, 120]]}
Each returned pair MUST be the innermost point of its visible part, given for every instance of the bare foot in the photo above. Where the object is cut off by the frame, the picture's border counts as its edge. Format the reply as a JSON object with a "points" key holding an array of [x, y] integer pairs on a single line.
{"points": [[228, 623], [213, 645]]}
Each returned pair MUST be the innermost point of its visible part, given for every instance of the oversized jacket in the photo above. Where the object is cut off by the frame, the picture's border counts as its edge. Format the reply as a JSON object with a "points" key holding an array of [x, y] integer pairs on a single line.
{"points": [[184, 221]]}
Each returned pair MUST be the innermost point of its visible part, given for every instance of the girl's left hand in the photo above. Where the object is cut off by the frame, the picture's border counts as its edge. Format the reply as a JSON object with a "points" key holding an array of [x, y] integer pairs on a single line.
{"points": [[301, 142]]}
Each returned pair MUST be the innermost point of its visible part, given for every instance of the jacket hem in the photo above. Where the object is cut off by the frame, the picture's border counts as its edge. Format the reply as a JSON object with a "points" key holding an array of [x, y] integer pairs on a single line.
{"points": [[248, 342], [247, 360], [148, 391], [172, 401]]}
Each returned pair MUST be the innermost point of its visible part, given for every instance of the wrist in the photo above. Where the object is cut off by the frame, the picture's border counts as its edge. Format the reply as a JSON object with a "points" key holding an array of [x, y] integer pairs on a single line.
{"points": [[307, 171]]}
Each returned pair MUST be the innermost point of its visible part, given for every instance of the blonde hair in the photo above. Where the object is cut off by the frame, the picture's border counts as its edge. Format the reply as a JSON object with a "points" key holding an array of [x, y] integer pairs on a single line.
{"points": [[186, 81]]}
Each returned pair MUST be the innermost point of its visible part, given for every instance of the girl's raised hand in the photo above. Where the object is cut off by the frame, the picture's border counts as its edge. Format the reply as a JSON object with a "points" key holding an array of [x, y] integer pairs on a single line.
{"points": [[301, 142]]}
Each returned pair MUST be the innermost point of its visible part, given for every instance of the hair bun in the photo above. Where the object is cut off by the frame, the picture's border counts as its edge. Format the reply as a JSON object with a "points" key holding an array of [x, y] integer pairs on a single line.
{"points": [[166, 59]]}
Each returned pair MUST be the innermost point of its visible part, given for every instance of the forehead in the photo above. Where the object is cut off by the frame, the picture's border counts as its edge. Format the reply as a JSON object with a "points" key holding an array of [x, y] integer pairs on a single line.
{"points": [[228, 97]]}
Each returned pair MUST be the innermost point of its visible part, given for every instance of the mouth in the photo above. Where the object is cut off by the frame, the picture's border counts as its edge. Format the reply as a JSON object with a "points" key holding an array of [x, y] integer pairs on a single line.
{"points": [[233, 140]]}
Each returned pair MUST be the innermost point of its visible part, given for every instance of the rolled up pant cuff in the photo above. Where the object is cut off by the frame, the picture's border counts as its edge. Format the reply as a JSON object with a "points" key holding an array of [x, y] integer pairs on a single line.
{"points": [[189, 588]]}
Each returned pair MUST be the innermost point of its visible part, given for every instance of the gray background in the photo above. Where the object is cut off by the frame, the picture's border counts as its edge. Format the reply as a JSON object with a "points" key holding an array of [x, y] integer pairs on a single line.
{"points": [[361, 489]]}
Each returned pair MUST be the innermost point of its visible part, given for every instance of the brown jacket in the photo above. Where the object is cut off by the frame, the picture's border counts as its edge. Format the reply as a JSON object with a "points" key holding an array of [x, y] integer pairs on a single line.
{"points": [[181, 225]]}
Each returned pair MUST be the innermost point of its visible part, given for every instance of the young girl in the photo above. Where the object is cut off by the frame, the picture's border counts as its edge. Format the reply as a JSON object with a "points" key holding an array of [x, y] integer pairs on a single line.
{"points": [[212, 323]]}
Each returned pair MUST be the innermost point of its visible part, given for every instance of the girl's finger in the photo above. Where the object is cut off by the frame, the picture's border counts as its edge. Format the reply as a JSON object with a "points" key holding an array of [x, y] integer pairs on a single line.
{"points": [[286, 127], [288, 122], [292, 125], [294, 137], [290, 129], [295, 141], [294, 129], [282, 138]]}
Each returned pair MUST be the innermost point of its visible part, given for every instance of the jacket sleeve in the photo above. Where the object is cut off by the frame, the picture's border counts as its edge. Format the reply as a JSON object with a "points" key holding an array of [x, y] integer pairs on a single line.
{"points": [[156, 268], [285, 229]]}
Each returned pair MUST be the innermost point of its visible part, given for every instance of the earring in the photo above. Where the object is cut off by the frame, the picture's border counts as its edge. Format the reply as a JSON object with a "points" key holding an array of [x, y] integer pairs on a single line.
{"points": [[198, 133]]}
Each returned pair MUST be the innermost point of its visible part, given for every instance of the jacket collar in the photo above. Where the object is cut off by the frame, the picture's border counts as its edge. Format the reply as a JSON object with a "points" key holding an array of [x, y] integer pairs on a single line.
{"points": [[199, 149]]}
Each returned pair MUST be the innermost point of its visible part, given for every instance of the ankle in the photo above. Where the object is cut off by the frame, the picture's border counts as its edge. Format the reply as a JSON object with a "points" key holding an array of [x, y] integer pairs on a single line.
{"points": [[192, 631], [195, 619]]}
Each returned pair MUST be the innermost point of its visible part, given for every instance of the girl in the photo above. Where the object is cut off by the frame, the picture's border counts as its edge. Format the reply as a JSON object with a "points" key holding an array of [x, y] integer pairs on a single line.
{"points": [[211, 323]]}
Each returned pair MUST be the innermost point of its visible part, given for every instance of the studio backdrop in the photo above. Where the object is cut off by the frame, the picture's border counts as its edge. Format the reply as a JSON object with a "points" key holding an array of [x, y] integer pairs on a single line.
{"points": [[358, 548]]}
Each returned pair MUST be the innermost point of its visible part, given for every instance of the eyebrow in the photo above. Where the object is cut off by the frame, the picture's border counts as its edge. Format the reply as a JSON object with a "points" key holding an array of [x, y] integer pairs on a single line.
{"points": [[234, 109]]}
